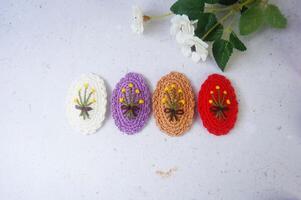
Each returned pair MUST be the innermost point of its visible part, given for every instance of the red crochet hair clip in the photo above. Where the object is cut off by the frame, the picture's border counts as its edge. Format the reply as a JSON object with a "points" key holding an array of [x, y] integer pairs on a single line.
{"points": [[217, 105]]}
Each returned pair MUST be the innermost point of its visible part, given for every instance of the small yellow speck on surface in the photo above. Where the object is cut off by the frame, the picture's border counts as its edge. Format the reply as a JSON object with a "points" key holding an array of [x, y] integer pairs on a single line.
{"points": [[121, 100], [173, 86], [123, 90], [182, 102], [164, 100], [210, 101], [225, 92], [166, 89], [180, 91], [228, 101], [93, 90], [137, 91], [217, 87], [211, 92], [131, 85], [86, 85], [141, 101]]}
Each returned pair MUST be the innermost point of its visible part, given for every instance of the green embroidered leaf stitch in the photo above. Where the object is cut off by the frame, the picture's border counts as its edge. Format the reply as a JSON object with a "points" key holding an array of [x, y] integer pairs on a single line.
{"points": [[83, 103]]}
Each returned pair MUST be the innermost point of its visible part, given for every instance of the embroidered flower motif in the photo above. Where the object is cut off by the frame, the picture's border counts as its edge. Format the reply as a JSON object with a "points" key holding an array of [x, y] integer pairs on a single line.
{"points": [[83, 103], [86, 103], [138, 20], [130, 101], [195, 48], [217, 104], [181, 26], [173, 102], [131, 106]]}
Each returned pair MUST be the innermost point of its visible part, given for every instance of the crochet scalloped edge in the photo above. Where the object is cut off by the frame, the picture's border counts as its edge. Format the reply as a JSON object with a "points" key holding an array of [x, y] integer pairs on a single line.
{"points": [[93, 124], [218, 131], [161, 120], [119, 120]]}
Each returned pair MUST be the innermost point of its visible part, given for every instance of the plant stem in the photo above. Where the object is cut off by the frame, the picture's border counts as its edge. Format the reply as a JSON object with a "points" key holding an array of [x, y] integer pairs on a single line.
{"points": [[246, 3], [80, 97], [85, 97], [228, 29], [161, 16], [219, 22], [264, 2], [232, 7], [89, 96], [219, 9]]}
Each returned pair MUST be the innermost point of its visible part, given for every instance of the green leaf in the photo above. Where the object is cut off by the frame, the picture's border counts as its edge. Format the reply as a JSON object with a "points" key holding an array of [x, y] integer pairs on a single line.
{"points": [[206, 21], [191, 8], [237, 44], [222, 51], [211, 1], [227, 2], [251, 20], [274, 17]]}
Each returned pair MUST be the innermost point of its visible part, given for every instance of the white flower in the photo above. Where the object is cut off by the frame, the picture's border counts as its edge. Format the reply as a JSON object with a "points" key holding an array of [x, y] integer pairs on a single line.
{"points": [[194, 47], [180, 27], [138, 20]]}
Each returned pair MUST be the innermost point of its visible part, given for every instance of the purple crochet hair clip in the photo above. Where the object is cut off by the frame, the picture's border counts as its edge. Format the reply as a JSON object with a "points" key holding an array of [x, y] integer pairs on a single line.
{"points": [[131, 103]]}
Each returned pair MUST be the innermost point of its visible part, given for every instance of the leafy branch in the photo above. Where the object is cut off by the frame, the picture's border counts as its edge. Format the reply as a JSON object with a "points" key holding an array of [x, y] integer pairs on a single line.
{"points": [[253, 15]]}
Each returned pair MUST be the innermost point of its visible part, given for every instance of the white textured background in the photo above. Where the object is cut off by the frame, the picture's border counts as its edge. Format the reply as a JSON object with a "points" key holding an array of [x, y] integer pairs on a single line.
{"points": [[44, 45]]}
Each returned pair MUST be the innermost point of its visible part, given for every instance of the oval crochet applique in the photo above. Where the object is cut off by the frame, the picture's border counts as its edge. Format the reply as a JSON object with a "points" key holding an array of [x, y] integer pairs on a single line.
{"points": [[217, 104], [86, 103], [173, 104], [131, 103]]}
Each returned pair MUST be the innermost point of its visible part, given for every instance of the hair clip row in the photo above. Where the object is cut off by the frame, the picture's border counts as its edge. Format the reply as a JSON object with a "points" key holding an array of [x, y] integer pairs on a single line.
{"points": [[173, 104]]}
